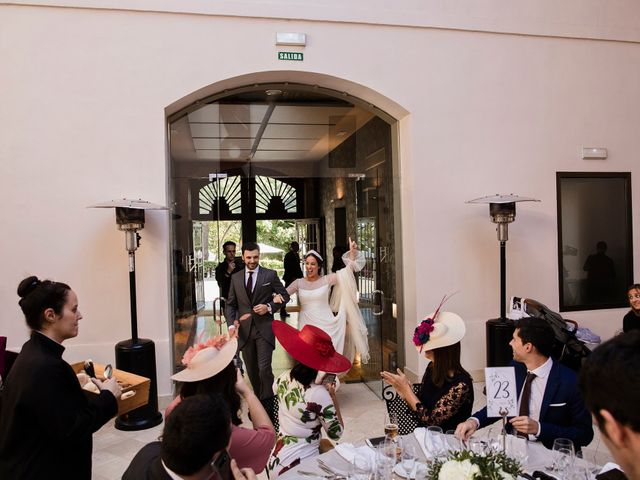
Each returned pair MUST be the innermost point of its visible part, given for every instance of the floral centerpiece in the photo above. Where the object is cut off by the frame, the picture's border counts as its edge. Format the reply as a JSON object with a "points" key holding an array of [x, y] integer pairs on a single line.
{"points": [[467, 465]]}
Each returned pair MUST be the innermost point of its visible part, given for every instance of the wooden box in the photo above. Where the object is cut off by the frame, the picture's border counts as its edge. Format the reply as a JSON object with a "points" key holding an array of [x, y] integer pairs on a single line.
{"points": [[129, 382]]}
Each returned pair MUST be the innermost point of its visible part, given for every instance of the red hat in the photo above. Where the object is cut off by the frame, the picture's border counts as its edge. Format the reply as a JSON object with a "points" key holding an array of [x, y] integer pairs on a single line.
{"points": [[312, 347]]}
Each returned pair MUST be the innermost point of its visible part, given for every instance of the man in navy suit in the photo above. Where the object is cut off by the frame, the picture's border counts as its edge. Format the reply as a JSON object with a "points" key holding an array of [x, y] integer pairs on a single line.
{"points": [[555, 408], [250, 302]]}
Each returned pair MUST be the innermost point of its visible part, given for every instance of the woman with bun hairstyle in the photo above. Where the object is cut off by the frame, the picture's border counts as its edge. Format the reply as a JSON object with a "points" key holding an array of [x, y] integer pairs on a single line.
{"points": [[209, 368], [446, 394], [304, 407], [46, 421]]}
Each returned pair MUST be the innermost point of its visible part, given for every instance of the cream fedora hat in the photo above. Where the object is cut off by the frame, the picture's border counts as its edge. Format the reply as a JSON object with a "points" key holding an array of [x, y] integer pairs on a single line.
{"points": [[207, 362], [448, 329]]}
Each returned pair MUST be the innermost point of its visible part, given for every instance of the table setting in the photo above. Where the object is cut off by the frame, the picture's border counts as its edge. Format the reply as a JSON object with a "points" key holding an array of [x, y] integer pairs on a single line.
{"points": [[430, 454]]}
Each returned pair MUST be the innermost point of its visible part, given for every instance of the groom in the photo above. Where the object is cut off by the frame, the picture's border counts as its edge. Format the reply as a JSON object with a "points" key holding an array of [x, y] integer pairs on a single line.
{"points": [[250, 301]]}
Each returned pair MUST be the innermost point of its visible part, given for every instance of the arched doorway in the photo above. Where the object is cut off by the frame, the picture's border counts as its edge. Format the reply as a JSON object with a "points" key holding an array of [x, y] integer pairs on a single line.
{"points": [[279, 162]]}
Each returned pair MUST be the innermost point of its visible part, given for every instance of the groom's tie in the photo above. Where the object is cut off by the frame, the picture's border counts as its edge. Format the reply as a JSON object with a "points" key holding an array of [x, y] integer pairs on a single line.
{"points": [[249, 285], [525, 399]]}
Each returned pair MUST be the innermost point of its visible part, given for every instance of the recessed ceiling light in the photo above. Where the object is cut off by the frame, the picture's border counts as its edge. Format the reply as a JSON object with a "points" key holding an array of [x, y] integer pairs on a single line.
{"points": [[273, 92]]}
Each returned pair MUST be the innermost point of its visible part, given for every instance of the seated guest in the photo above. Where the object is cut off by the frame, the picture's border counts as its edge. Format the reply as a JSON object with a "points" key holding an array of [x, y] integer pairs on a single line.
{"points": [[46, 421], [305, 408], [549, 403], [193, 445], [446, 394], [609, 382], [210, 369], [631, 320]]}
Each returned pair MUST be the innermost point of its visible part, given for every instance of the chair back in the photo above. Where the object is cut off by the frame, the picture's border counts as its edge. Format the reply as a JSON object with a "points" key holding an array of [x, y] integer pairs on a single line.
{"points": [[271, 406], [407, 420]]}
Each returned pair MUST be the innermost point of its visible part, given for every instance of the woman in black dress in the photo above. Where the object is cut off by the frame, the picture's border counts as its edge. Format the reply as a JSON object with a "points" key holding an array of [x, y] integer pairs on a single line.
{"points": [[446, 395], [46, 421]]}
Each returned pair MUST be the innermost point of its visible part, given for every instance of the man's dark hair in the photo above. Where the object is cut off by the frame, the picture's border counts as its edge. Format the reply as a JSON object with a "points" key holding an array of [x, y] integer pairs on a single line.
{"points": [[294, 244], [196, 429], [226, 244], [610, 380], [538, 332], [250, 246]]}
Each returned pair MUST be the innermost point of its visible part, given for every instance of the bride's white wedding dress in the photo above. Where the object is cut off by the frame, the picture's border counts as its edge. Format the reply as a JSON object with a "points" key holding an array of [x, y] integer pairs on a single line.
{"points": [[347, 328]]}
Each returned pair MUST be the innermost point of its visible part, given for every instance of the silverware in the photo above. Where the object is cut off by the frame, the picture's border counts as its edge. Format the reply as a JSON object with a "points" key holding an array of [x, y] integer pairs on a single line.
{"points": [[320, 475]]}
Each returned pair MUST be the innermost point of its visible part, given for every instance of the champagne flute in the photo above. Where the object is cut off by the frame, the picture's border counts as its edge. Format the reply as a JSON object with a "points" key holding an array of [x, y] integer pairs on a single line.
{"points": [[391, 424]]}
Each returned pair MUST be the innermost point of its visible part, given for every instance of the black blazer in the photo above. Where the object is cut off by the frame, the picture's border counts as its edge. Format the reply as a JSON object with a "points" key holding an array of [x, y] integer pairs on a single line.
{"points": [[266, 285], [147, 465]]}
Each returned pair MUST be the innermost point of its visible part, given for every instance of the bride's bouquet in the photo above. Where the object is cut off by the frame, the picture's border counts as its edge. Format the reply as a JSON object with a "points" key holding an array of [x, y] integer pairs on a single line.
{"points": [[467, 465]]}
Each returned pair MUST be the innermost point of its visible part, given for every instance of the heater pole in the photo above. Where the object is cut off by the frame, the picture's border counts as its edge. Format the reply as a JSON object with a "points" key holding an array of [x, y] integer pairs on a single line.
{"points": [[503, 281], [132, 296]]}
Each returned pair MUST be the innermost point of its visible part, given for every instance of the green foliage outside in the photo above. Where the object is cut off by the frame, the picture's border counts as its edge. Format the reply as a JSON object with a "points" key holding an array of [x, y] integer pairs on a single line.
{"points": [[276, 233]]}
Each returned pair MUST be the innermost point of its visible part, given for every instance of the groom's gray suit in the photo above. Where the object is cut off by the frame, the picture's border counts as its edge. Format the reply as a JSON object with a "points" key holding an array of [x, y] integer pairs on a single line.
{"points": [[255, 336]]}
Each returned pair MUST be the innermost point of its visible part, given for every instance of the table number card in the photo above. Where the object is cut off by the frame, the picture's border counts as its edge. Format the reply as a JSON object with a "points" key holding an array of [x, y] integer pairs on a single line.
{"points": [[501, 391]]}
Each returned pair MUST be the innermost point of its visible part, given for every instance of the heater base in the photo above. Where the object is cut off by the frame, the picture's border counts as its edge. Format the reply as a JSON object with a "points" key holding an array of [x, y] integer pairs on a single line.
{"points": [[139, 357], [499, 334]]}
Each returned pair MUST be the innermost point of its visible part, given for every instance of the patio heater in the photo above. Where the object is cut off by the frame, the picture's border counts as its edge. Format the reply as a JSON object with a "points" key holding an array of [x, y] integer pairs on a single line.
{"points": [[135, 355], [499, 331]]}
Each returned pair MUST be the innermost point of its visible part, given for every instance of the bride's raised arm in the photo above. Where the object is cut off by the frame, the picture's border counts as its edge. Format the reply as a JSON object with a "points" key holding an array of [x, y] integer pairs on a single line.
{"points": [[354, 258]]}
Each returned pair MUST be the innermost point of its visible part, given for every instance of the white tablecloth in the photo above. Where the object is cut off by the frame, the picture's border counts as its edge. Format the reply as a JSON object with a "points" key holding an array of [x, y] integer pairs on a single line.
{"points": [[539, 457]]}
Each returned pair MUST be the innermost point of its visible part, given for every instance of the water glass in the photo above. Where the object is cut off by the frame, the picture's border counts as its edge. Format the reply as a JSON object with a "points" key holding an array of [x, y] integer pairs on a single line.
{"points": [[477, 445], [436, 444], [360, 468], [408, 458], [453, 443]]}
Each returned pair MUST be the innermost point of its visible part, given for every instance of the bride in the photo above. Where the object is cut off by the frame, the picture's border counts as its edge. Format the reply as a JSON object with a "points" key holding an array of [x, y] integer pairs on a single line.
{"points": [[347, 329]]}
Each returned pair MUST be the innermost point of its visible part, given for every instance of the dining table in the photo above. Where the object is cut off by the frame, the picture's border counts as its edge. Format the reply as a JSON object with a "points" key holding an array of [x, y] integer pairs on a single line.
{"points": [[538, 458]]}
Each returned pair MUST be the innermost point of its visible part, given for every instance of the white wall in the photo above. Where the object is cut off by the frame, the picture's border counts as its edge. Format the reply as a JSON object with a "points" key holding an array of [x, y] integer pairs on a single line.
{"points": [[84, 94]]}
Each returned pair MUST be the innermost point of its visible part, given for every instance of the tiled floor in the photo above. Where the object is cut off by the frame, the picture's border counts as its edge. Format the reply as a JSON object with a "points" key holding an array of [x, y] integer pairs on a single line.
{"points": [[362, 411]]}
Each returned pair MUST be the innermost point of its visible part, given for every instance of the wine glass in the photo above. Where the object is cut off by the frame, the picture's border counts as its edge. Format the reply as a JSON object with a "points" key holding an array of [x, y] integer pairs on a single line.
{"points": [[564, 461], [567, 446]]}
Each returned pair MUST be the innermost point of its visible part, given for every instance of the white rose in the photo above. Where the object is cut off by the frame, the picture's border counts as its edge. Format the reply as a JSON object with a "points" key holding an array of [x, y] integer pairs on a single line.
{"points": [[454, 470], [505, 476]]}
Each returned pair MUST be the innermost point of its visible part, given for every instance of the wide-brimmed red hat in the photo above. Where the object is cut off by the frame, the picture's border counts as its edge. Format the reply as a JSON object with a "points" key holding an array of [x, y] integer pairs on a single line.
{"points": [[312, 347]]}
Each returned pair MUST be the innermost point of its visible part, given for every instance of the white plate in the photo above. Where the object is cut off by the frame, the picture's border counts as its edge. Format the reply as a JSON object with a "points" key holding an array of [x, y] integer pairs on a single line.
{"points": [[400, 471]]}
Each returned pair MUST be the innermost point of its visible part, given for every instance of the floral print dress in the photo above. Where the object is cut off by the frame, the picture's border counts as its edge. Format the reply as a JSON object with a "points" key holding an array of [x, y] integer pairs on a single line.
{"points": [[303, 414]]}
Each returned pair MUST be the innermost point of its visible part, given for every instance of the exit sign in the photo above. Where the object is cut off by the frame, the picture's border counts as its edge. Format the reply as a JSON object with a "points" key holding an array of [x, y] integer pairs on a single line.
{"points": [[295, 56]]}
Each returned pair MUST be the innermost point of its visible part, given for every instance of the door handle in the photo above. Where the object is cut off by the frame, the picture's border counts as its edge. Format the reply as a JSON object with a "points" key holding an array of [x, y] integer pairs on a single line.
{"points": [[381, 311], [217, 314]]}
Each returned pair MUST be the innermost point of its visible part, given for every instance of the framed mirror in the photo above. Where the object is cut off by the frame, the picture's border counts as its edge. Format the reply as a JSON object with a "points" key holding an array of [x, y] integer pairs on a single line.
{"points": [[595, 251]]}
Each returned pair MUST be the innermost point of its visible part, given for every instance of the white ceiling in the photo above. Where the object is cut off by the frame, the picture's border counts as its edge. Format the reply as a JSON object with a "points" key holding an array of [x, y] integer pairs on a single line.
{"points": [[272, 131]]}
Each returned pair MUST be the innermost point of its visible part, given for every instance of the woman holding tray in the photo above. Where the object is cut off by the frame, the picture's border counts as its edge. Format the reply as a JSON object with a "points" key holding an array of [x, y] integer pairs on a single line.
{"points": [[46, 421]]}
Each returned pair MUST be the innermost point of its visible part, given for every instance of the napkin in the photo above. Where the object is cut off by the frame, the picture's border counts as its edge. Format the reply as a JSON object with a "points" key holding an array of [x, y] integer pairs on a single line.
{"points": [[422, 438], [348, 451]]}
